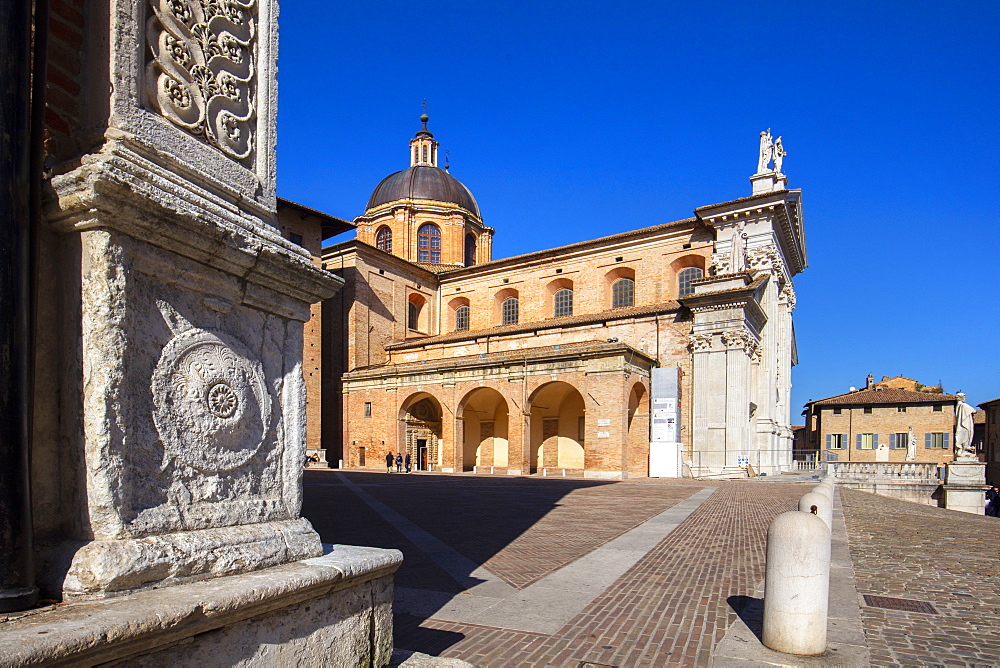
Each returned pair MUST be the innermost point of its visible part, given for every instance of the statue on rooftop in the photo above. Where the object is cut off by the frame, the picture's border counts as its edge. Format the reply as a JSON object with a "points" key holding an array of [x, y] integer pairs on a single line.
{"points": [[779, 154], [766, 151]]}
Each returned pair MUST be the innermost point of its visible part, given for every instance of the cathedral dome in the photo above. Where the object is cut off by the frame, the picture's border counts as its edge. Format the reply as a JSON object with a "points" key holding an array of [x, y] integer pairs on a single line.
{"points": [[423, 182]]}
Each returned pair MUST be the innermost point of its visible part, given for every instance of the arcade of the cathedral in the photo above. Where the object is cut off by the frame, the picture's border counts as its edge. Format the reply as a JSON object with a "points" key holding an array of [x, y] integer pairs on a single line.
{"points": [[544, 362]]}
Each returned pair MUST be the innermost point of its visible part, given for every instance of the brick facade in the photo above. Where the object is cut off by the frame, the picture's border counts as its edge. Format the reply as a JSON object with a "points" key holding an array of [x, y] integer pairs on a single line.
{"points": [[542, 362]]}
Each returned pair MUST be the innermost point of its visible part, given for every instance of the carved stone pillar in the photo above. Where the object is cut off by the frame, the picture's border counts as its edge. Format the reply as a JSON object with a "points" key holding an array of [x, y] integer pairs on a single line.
{"points": [[180, 341]]}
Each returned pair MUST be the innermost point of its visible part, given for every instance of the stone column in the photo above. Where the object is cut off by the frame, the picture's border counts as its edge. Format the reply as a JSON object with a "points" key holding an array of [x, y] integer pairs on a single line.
{"points": [[709, 423]]}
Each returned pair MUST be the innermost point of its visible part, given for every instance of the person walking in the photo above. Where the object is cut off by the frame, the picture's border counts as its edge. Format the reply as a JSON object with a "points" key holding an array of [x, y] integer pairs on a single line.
{"points": [[399, 462], [406, 462], [993, 501], [388, 462]]}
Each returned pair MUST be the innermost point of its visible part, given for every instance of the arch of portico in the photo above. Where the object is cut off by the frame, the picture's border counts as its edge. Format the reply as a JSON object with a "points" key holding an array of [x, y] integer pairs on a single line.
{"points": [[637, 425], [485, 432], [556, 427], [420, 429]]}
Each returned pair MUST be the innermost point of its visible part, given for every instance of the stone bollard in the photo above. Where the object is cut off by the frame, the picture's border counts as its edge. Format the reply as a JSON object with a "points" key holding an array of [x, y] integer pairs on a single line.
{"points": [[825, 490], [797, 584], [823, 505]]}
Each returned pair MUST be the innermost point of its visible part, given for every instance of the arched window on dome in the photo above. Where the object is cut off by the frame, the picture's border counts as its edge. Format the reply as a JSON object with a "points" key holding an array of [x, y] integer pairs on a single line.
{"points": [[623, 293], [562, 302], [383, 239], [509, 311], [684, 278], [470, 250], [429, 243]]}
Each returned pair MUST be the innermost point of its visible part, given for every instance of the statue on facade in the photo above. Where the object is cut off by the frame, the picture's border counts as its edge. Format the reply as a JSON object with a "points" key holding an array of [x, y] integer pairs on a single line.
{"points": [[911, 445], [964, 452], [779, 154], [766, 151]]}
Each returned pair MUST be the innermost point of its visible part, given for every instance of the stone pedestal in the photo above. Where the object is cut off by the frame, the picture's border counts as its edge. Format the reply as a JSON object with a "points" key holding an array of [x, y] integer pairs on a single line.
{"points": [[965, 487], [333, 610], [768, 182]]}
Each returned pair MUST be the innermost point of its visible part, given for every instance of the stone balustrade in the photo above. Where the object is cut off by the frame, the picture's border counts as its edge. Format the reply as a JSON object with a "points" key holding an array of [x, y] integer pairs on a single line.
{"points": [[915, 471]]}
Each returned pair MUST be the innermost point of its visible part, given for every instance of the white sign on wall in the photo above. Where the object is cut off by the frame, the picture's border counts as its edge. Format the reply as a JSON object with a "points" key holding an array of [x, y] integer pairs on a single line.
{"points": [[604, 423], [604, 434]]}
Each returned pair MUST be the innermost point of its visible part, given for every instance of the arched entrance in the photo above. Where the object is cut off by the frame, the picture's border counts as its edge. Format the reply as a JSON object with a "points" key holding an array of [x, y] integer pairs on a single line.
{"points": [[637, 425], [420, 421], [485, 425], [557, 427]]}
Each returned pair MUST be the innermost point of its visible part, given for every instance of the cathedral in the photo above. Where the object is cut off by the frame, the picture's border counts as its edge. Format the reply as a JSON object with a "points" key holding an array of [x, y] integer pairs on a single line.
{"points": [[664, 351]]}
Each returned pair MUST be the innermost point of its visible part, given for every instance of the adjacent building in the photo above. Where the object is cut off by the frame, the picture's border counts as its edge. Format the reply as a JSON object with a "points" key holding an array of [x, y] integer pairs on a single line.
{"points": [[567, 360], [890, 420], [991, 439]]}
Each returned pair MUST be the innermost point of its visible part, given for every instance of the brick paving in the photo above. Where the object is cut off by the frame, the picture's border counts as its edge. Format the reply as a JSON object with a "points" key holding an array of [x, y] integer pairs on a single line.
{"points": [[948, 559], [669, 608]]}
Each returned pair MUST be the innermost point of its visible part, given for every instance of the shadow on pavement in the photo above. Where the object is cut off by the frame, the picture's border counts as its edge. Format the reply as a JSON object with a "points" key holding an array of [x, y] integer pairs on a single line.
{"points": [[408, 633], [751, 611]]}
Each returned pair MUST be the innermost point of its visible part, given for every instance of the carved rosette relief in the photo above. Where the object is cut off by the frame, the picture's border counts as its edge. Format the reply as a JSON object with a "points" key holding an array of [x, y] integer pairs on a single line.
{"points": [[211, 405], [201, 75]]}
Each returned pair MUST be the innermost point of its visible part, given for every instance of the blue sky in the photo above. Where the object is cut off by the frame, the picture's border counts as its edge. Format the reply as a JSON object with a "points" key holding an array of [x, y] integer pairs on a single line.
{"points": [[570, 121]]}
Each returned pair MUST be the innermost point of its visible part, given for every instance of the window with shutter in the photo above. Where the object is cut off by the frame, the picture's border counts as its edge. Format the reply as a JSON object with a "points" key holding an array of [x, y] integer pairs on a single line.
{"points": [[892, 441]]}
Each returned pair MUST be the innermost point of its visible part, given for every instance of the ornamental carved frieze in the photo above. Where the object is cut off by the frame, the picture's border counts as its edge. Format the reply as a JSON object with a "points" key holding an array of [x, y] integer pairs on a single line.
{"points": [[788, 295], [742, 339], [201, 74], [721, 264], [766, 258], [700, 342], [212, 409]]}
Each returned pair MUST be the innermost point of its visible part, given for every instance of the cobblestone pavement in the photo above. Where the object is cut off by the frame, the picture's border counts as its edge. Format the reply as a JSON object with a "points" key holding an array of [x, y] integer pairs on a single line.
{"points": [[671, 607], [946, 558]]}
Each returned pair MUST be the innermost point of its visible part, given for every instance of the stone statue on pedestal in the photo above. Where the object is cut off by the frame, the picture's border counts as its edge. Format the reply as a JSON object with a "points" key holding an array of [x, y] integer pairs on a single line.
{"points": [[964, 452], [779, 154], [911, 445], [766, 151]]}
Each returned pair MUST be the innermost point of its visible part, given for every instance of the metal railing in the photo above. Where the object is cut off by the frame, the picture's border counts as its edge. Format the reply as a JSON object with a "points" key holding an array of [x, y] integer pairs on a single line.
{"points": [[750, 463]]}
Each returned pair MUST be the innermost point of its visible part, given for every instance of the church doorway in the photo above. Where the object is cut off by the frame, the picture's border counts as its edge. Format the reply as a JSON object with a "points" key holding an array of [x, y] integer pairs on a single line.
{"points": [[421, 454], [421, 425], [485, 426], [557, 427]]}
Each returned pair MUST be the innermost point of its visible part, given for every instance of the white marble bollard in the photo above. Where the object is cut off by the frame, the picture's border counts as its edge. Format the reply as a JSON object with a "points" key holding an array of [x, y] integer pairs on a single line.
{"points": [[797, 584], [824, 489], [823, 505]]}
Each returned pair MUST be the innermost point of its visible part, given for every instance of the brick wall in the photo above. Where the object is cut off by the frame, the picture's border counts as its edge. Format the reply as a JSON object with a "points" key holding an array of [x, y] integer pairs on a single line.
{"points": [[64, 80], [293, 226], [884, 421]]}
